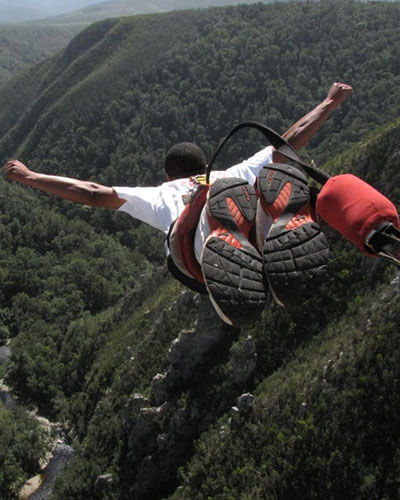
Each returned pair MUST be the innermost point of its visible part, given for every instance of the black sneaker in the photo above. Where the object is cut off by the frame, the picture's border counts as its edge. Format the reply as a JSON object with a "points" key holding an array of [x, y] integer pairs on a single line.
{"points": [[232, 267], [385, 242], [295, 251]]}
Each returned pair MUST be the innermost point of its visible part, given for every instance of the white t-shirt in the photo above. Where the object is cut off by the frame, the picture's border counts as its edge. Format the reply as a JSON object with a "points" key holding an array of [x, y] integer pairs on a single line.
{"points": [[160, 206]]}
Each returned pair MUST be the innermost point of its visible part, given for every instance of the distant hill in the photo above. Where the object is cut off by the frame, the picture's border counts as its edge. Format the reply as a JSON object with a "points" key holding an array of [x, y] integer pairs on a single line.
{"points": [[10, 13], [116, 8], [23, 10], [24, 44], [88, 11]]}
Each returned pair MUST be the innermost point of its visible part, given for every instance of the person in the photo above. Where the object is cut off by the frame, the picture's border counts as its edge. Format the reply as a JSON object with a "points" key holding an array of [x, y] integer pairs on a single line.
{"points": [[255, 228]]}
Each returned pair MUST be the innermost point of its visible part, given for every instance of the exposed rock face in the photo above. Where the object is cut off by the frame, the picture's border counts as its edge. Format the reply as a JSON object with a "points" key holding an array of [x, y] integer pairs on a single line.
{"points": [[103, 484], [193, 352], [244, 362], [161, 429]]}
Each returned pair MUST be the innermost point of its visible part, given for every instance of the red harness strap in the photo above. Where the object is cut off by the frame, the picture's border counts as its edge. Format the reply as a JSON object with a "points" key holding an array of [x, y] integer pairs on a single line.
{"points": [[354, 208], [181, 237]]}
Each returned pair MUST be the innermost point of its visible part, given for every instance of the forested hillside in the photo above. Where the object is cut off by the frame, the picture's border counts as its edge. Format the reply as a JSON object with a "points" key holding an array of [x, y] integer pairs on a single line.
{"points": [[270, 63], [159, 399], [24, 45]]}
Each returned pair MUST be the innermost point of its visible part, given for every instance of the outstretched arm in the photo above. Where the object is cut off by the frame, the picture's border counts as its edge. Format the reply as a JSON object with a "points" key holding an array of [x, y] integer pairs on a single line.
{"points": [[299, 134], [88, 193]]}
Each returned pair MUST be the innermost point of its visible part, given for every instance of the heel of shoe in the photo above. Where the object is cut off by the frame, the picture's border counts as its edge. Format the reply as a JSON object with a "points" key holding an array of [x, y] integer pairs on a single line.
{"points": [[282, 188], [232, 204]]}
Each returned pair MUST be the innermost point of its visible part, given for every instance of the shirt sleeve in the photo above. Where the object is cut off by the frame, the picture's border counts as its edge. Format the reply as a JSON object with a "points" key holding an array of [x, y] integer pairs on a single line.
{"points": [[250, 168], [157, 206], [141, 203]]}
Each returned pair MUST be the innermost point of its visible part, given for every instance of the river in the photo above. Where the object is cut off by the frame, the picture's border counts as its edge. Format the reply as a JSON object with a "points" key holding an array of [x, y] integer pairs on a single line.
{"points": [[62, 452], [5, 353], [61, 456], [5, 396]]}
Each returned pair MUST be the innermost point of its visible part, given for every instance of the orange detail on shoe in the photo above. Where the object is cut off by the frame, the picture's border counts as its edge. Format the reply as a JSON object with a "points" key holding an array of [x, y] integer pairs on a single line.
{"points": [[237, 216], [275, 209], [229, 238], [219, 231], [246, 193], [302, 217]]}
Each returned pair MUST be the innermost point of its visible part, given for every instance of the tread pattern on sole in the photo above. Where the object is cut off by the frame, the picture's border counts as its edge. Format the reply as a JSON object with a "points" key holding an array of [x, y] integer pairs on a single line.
{"points": [[295, 260], [235, 281]]}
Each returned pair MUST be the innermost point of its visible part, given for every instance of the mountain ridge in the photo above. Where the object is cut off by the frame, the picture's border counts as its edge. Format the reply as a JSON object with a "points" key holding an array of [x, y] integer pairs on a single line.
{"points": [[118, 8], [22, 10], [124, 60]]}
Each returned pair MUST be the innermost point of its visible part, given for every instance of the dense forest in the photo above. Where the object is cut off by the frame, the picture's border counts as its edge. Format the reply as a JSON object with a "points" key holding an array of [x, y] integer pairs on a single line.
{"points": [[158, 398]]}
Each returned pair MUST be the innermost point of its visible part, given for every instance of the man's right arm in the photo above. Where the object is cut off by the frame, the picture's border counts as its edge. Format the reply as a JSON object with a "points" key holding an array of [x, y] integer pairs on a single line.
{"points": [[85, 192], [299, 134]]}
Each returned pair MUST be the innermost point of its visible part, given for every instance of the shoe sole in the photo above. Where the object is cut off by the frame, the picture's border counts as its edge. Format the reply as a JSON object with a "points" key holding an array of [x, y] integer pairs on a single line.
{"points": [[232, 267], [295, 251]]}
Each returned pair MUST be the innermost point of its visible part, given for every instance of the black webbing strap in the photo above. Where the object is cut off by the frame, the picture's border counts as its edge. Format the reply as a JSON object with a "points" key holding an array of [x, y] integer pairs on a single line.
{"points": [[279, 144]]}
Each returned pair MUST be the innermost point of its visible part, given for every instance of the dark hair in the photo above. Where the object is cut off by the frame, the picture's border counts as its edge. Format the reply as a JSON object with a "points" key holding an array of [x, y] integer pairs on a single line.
{"points": [[185, 159]]}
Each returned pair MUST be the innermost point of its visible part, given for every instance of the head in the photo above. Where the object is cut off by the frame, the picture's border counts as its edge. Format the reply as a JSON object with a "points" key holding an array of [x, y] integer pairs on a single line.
{"points": [[184, 160]]}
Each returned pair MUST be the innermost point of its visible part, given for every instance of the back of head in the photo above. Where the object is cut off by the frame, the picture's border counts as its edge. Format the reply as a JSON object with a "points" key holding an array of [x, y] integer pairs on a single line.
{"points": [[184, 160]]}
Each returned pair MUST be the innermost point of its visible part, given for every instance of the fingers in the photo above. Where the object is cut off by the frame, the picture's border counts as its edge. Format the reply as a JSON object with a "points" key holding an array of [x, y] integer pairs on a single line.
{"points": [[8, 168], [9, 164], [344, 87], [14, 163], [14, 170], [338, 93], [340, 87]]}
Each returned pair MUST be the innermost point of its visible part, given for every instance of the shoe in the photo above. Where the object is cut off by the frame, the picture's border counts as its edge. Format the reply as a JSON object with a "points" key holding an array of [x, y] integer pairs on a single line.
{"points": [[385, 242], [295, 251], [231, 265]]}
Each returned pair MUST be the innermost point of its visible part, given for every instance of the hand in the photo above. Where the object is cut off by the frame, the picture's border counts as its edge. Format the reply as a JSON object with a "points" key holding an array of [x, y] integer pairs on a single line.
{"points": [[15, 170], [338, 93]]}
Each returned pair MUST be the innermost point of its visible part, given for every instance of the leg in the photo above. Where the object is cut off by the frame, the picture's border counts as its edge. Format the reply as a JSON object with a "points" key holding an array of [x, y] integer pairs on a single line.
{"points": [[295, 252], [231, 265]]}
